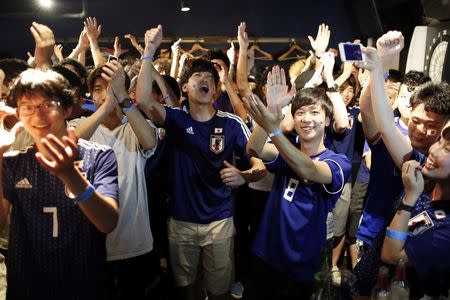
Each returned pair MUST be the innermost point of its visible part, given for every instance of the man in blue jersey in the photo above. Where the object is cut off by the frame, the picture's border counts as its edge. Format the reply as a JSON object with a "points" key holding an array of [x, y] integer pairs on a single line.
{"points": [[200, 148], [63, 194], [309, 179], [422, 112]]}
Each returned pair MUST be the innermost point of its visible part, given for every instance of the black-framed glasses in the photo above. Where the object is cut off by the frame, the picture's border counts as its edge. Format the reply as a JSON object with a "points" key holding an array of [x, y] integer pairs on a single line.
{"points": [[26, 110]]}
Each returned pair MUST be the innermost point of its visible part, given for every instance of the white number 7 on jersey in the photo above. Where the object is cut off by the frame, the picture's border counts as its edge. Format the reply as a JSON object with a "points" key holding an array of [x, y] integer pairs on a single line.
{"points": [[53, 210]]}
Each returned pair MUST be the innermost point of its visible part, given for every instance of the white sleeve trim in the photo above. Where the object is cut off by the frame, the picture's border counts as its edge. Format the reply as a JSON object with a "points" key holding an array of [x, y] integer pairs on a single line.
{"points": [[341, 172]]}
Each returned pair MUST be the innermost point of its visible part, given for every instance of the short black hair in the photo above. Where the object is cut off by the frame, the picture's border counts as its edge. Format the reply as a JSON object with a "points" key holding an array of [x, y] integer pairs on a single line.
{"points": [[312, 96], [217, 54], [395, 75], [435, 97], [72, 77], [12, 67], [413, 79], [198, 65], [97, 73], [50, 84]]}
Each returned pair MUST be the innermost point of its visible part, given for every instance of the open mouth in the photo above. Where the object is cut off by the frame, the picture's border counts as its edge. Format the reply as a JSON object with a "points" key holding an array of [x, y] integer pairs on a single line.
{"points": [[429, 164], [204, 89]]}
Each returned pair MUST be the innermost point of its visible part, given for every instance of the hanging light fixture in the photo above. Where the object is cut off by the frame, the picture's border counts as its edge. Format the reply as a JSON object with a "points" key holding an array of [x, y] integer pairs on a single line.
{"points": [[185, 6]]}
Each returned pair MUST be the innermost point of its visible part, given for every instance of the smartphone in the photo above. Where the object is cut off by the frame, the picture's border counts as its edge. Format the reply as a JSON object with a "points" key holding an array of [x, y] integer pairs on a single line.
{"points": [[351, 52], [111, 58]]}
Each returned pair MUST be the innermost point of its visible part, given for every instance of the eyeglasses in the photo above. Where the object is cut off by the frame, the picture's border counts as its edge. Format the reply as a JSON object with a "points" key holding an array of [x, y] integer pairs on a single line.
{"points": [[27, 110]]}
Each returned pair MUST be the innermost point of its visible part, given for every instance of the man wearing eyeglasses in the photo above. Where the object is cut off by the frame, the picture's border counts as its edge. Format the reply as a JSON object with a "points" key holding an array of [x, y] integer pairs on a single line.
{"points": [[63, 193]]}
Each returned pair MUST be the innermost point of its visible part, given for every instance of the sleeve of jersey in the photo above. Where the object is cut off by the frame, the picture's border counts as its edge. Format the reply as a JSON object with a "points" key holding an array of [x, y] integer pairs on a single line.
{"points": [[172, 116], [340, 171], [275, 164], [105, 174]]}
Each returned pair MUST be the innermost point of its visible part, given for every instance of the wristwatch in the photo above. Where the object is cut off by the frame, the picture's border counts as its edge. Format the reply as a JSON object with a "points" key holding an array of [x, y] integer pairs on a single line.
{"points": [[126, 103], [403, 206], [333, 89]]}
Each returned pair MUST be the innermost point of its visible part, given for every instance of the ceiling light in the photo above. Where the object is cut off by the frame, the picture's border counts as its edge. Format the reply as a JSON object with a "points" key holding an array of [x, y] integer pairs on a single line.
{"points": [[45, 3], [185, 5]]}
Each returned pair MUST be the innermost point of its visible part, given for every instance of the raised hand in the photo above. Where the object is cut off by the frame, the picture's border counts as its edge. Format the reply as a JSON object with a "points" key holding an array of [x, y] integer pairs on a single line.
{"points": [[83, 40], [327, 60], [390, 44], [231, 176], [92, 29], [7, 138], [153, 38], [268, 120], [63, 153], [115, 75], [117, 47], [242, 36], [277, 94], [231, 53], [372, 61], [320, 43], [412, 178], [58, 52], [222, 69], [45, 41], [176, 48]]}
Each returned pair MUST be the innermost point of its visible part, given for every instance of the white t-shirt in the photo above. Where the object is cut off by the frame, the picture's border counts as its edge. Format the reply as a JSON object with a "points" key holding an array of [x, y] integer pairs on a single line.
{"points": [[132, 236]]}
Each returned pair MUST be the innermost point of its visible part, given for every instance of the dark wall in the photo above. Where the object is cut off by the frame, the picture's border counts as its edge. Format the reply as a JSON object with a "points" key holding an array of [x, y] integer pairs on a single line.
{"points": [[264, 18]]}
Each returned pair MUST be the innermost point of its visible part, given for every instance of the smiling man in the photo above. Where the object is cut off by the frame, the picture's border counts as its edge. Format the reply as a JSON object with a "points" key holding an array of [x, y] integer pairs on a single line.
{"points": [[63, 194]]}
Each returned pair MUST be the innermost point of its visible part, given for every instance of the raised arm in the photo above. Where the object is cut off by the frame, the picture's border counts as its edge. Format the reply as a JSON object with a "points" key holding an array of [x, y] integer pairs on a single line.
{"points": [[101, 211], [397, 144], [340, 123], [117, 47], [176, 49], [320, 43], [242, 65], [236, 103], [394, 248], [134, 42], [115, 75], [45, 42], [154, 110], [166, 90], [93, 32], [79, 52]]}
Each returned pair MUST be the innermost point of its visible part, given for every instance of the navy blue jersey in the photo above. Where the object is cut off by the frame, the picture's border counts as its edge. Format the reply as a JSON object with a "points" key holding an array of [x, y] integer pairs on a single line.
{"points": [[428, 245], [385, 186], [293, 226], [55, 252], [196, 152]]}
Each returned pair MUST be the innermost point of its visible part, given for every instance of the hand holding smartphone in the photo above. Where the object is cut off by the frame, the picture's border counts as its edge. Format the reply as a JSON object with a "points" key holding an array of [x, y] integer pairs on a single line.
{"points": [[351, 52]]}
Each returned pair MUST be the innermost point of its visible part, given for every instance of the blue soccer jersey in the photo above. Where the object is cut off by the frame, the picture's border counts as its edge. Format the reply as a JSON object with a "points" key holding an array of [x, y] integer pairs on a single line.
{"points": [[293, 227], [196, 152], [428, 244], [55, 252], [385, 186]]}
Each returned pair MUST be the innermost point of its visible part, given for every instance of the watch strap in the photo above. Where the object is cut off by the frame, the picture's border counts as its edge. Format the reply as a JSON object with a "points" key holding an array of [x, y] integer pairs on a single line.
{"points": [[403, 206]]}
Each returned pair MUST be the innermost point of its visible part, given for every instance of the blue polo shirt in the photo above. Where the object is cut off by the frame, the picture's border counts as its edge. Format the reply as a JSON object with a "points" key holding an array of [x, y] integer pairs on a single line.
{"points": [[196, 152], [293, 227]]}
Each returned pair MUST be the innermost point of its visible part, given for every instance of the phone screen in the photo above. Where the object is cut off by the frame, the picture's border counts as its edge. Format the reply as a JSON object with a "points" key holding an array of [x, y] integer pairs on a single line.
{"points": [[353, 52], [111, 58]]}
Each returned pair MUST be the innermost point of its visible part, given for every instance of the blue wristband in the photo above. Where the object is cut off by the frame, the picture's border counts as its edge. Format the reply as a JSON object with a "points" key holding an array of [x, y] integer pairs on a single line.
{"points": [[167, 96], [149, 57], [128, 109], [275, 133], [386, 75], [85, 195], [396, 235]]}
